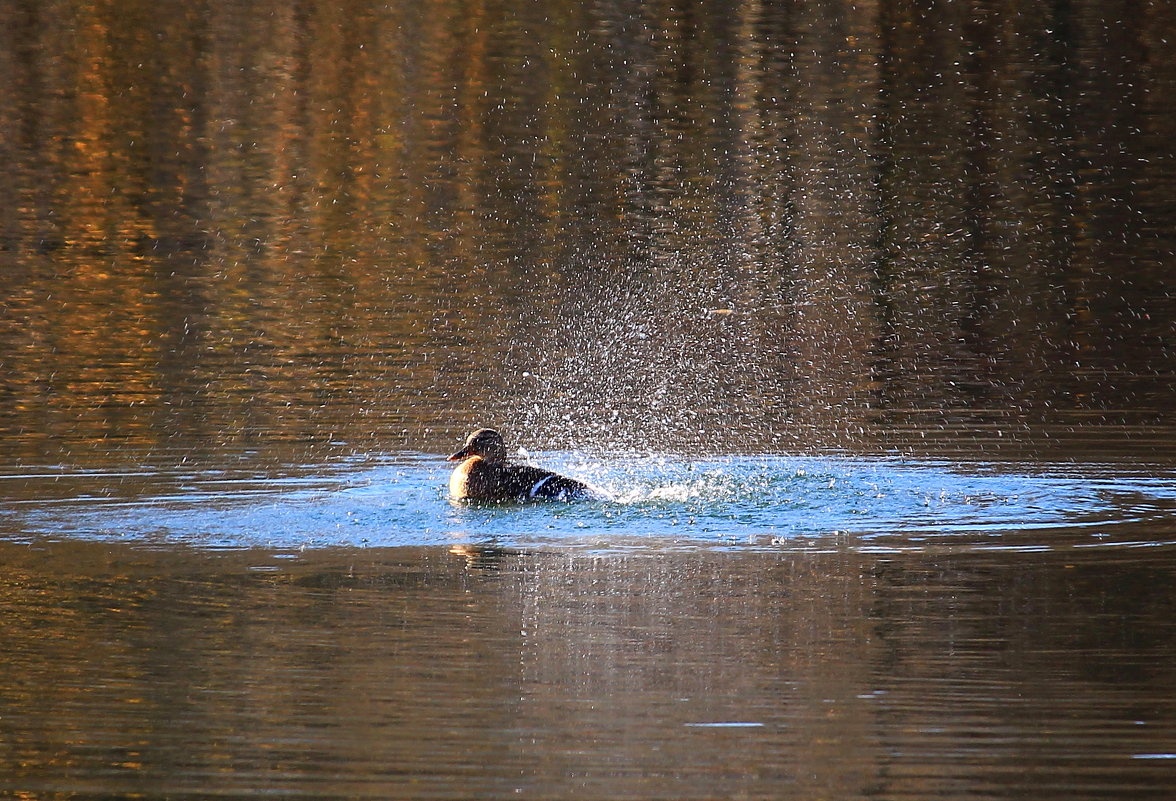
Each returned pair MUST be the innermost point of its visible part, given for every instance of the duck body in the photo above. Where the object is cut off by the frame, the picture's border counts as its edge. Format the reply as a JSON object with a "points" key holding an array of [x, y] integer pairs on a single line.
{"points": [[485, 475], [476, 479]]}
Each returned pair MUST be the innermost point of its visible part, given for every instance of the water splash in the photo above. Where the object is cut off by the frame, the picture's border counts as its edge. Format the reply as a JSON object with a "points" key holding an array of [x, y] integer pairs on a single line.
{"points": [[657, 502]]}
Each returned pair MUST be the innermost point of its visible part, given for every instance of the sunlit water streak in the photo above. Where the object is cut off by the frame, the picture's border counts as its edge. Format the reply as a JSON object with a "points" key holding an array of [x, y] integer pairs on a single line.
{"points": [[660, 502]]}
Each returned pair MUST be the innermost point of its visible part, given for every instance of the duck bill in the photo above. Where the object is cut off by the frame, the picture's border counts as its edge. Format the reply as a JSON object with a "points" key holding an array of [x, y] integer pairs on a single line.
{"points": [[457, 457]]}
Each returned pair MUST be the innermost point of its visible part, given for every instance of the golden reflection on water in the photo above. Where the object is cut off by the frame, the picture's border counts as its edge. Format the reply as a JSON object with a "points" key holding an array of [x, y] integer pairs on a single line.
{"points": [[372, 226]]}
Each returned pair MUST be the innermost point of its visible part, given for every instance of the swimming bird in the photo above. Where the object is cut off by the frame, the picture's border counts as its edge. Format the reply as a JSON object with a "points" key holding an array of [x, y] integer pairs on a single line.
{"points": [[485, 474]]}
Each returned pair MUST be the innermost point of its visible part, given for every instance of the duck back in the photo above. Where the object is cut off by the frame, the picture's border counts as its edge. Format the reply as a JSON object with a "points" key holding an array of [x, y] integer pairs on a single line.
{"points": [[479, 480], [533, 482]]}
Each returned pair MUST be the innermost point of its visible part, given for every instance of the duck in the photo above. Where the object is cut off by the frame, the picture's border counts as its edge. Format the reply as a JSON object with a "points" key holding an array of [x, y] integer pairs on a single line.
{"points": [[485, 474]]}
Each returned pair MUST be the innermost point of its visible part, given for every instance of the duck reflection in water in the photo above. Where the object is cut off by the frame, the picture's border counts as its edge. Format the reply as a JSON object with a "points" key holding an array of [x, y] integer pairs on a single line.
{"points": [[485, 474]]}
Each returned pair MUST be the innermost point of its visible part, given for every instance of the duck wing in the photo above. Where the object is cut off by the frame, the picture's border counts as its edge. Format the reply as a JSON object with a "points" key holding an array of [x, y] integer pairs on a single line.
{"points": [[533, 482]]}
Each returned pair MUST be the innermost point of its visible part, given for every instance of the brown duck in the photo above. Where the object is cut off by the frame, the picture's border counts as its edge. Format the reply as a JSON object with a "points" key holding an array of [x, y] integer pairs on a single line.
{"points": [[485, 475]]}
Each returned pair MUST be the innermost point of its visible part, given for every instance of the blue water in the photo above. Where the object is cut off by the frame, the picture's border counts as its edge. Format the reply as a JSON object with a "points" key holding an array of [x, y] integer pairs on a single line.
{"points": [[788, 503]]}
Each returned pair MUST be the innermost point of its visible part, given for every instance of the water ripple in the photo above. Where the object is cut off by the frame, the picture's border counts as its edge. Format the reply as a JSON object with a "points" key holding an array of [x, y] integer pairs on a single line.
{"points": [[872, 505]]}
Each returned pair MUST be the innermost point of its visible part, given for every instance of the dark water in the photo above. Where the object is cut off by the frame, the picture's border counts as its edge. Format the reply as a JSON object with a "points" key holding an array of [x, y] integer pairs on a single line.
{"points": [[863, 313], [477, 672]]}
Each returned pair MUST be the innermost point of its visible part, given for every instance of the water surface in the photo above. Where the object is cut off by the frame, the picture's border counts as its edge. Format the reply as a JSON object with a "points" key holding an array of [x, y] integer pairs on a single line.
{"points": [[658, 503], [862, 312], [423, 671], [790, 627]]}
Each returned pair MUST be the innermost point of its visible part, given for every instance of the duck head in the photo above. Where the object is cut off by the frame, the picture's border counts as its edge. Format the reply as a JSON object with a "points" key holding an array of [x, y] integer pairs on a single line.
{"points": [[485, 442]]}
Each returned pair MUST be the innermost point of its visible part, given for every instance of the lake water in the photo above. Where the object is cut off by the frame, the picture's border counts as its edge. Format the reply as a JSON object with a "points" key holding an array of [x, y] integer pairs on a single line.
{"points": [[861, 312]]}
